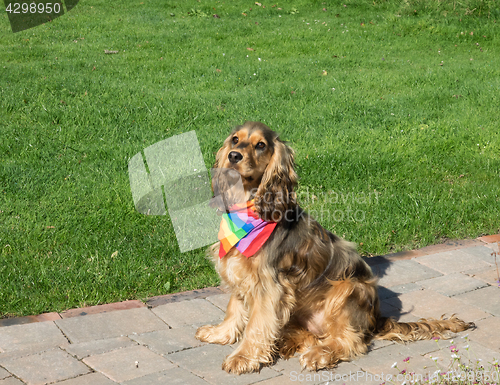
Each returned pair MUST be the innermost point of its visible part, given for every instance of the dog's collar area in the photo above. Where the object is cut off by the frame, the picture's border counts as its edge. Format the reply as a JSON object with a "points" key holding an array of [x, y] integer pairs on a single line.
{"points": [[242, 228]]}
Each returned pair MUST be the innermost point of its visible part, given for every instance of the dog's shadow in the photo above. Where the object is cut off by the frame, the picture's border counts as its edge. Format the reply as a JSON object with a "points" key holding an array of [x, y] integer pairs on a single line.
{"points": [[380, 266]]}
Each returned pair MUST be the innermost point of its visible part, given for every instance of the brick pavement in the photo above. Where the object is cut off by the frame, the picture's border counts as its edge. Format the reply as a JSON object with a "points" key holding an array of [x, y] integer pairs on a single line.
{"points": [[135, 343]]}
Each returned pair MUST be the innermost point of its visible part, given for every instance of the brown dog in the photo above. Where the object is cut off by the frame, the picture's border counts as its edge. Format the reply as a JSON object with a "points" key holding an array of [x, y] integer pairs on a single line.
{"points": [[305, 290]]}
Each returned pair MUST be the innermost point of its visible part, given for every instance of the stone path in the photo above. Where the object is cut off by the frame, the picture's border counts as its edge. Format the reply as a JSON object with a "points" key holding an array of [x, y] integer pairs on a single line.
{"points": [[133, 343]]}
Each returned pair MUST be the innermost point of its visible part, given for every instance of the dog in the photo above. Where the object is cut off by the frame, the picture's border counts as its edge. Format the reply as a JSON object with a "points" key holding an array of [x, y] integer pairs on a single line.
{"points": [[304, 290]]}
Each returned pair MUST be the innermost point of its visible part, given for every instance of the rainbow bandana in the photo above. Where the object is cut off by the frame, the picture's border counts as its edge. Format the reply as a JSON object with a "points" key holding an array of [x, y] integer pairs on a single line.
{"points": [[243, 227]]}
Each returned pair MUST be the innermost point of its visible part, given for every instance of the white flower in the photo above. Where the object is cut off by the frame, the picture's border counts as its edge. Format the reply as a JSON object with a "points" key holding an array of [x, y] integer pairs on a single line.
{"points": [[454, 356], [435, 359], [260, 59], [466, 347], [394, 365], [467, 335]]}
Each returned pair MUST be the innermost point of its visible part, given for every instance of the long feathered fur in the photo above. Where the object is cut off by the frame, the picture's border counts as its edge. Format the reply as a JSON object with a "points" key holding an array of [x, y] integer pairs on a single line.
{"points": [[306, 290]]}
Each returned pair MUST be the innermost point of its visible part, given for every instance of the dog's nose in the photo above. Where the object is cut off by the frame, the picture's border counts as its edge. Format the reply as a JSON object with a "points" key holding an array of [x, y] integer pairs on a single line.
{"points": [[234, 157]]}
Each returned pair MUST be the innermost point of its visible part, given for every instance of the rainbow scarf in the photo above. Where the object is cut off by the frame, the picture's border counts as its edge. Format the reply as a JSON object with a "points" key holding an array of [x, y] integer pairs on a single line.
{"points": [[243, 227]]}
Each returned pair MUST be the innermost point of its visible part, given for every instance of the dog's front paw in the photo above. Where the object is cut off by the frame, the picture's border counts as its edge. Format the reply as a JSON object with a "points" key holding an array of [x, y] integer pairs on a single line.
{"points": [[239, 364], [288, 348], [215, 335], [205, 333], [317, 358]]}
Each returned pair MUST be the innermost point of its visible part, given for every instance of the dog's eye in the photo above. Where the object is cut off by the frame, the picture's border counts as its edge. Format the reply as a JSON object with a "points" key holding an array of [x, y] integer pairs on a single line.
{"points": [[260, 145], [235, 139]]}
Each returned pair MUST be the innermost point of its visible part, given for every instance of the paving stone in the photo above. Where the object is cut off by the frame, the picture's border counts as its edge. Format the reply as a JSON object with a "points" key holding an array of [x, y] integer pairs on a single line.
{"points": [[394, 291], [482, 252], [478, 351], [169, 341], [473, 357], [486, 299], [175, 376], [209, 360], [106, 308], [429, 304], [109, 325], [220, 300], [29, 319], [11, 381], [486, 333], [91, 348], [452, 284], [380, 362], [402, 272], [469, 352], [449, 262], [377, 344], [281, 379], [449, 246], [88, 379], [120, 365], [4, 374], [489, 276], [492, 246], [191, 312], [393, 311], [183, 296], [292, 373], [33, 336], [50, 366]]}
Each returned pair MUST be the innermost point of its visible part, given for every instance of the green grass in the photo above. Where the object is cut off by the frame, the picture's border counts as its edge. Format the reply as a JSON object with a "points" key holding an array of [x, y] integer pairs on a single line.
{"points": [[409, 147]]}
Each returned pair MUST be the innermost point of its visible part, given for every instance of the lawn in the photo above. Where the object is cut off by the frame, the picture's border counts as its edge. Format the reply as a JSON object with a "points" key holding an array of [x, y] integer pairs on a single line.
{"points": [[392, 108]]}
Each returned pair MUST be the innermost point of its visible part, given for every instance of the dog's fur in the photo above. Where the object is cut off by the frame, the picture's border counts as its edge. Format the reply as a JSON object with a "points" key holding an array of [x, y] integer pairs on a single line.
{"points": [[306, 290]]}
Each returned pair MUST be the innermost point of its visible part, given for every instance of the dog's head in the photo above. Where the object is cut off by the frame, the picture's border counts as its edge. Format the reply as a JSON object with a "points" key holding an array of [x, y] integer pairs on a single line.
{"points": [[266, 166]]}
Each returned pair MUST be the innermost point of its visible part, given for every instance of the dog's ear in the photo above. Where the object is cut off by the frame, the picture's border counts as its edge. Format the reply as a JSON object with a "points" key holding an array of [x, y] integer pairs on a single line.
{"points": [[275, 194]]}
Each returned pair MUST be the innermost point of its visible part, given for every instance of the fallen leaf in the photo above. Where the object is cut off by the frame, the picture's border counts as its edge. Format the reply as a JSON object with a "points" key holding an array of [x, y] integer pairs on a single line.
{"points": [[259, 4], [50, 227], [324, 73], [216, 16], [110, 52], [218, 70], [250, 49], [114, 254], [243, 13], [93, 69], [324, 9]]}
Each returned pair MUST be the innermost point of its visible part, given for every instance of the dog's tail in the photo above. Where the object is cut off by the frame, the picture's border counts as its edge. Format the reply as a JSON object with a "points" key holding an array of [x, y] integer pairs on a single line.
{"points": [[424, 329]]}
